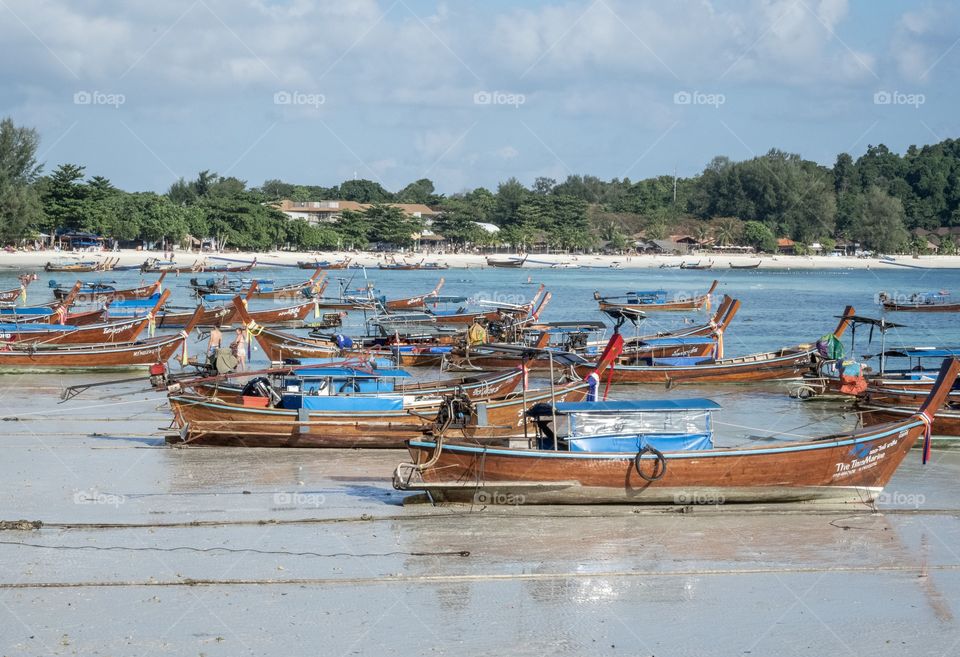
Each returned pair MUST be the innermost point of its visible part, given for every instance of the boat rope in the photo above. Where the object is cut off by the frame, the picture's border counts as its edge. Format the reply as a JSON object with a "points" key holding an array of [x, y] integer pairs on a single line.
{"points": [[788, 432], [483, 577]]}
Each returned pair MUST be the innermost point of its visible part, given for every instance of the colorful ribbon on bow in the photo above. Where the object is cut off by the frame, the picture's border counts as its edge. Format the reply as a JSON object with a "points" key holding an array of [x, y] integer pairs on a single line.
{"points": [[927, 435]]}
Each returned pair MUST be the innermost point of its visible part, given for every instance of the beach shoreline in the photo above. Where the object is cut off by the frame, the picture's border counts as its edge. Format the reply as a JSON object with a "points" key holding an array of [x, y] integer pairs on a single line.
{"points": [[31, 260]]}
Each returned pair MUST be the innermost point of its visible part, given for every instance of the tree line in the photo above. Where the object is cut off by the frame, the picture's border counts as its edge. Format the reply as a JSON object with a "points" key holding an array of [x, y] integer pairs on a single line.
{"points": [[875, 200]]}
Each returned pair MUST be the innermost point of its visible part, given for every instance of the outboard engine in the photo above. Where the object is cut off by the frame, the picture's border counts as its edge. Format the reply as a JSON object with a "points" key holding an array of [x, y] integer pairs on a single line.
{"points": [[261, 387]]}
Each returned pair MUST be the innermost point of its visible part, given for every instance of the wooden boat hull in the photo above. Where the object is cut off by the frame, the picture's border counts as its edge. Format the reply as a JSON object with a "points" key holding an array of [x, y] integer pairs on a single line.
{"points": [[120, 331], [921, 307], [100, 357], [693, 303], [209, 422], [144, 292], [788, 364], [11, 295], [84, 318], [945, 422], [849, 468], [286, 316], [206, 421]]}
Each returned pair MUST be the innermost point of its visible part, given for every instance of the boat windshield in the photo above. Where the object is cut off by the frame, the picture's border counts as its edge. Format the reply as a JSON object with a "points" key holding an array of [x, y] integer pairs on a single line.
{"points": [[648, 422]]}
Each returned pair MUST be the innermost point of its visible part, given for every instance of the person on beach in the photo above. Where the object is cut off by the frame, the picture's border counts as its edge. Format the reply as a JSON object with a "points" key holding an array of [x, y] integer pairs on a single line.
{"points": [[239, 349]]}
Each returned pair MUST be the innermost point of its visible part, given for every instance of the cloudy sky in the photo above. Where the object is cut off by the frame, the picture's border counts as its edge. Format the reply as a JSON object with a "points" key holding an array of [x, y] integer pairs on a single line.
{"points": [[469, 93]]}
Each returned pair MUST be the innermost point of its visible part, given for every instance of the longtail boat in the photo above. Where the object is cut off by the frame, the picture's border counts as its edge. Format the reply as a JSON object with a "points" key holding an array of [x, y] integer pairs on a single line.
{"points": [[785, 363], [755, 265], [71, 265], [100, 292], [125, 355], [315, 285], [108, 332], [229, 269], [344, 420], [324, 264], [18, 293], [496, 312], [157, 266], [418, 301], [930, 302], [850, 467], [636, 304], [511, 262], [696, 265]]}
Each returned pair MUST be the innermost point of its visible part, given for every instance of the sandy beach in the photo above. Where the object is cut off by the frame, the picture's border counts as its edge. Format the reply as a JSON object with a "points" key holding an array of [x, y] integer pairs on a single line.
{"points": [[36, 259]]}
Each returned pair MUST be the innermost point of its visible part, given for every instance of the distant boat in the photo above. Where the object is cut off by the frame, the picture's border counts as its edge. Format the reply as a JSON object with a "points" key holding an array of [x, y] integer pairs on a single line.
{"points": [[512, 262], [696, 265], [753, 266]]}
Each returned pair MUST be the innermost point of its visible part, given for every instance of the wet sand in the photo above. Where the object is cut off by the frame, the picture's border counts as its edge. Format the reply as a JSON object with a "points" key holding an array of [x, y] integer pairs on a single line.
{"points": [[151, 550]]}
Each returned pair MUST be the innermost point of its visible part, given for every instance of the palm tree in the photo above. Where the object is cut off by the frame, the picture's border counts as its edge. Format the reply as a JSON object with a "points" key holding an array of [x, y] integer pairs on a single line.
{"points": [[726, 230]]}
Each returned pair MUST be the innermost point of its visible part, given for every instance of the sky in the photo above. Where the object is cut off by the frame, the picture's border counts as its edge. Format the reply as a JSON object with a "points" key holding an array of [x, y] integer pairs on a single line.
{"points": [[470, 93]]}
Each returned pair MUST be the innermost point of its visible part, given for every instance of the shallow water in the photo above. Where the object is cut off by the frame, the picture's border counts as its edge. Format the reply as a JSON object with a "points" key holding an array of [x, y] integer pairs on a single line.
{"points": [[150, 550]]}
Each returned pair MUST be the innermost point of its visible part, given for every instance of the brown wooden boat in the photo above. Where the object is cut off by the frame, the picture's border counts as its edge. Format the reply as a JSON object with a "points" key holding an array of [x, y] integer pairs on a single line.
{"points": [[413, 302], [142, 292], [614, 308], [127, 355], [58, 313], [850, 467], [785, 363], [208, 421], [313, 286], [107, 332], [918, 304], [17, 293], [945, 423], [283, 316]]}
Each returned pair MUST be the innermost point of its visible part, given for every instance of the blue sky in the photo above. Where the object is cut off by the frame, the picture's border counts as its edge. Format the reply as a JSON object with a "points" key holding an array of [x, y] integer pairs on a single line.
{"points": [[470, 93]]}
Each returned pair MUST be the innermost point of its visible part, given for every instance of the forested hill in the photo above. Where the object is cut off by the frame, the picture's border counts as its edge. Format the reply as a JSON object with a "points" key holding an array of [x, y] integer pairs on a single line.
{"points": [[874, 199]]}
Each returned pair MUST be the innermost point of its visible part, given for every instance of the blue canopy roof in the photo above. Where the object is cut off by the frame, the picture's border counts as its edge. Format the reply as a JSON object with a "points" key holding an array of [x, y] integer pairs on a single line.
{"points": [[27, 310], [636, 405], [7, 327], [375, 362]]}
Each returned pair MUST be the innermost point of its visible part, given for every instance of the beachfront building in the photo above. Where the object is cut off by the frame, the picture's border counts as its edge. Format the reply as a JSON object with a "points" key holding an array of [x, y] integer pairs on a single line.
{"points": [[321, 212]]}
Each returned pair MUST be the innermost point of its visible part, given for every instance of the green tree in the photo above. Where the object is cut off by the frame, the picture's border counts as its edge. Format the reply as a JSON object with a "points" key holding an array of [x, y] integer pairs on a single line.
{"points": [[354, 228], [879, 226], [759, 236], [21, 210], [364, 191], [392, 225], [421, 191]]}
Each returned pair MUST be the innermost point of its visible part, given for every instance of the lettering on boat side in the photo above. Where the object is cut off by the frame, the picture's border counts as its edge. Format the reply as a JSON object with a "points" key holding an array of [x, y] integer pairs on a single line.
{"points": [[147, 352], [111, 330], [864, 458]]}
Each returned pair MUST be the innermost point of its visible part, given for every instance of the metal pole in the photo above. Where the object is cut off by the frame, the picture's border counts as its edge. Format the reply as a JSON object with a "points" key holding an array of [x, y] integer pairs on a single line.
{"points": [[553, 402]]}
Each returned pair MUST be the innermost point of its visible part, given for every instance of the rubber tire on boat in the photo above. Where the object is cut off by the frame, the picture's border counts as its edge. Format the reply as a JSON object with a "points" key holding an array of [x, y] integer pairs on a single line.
{"points": [[660, 467]]}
